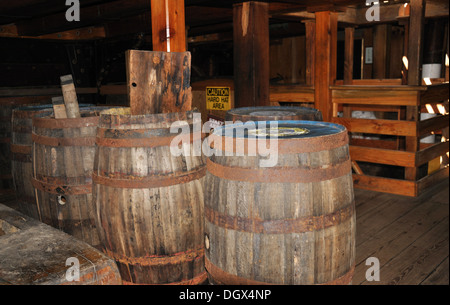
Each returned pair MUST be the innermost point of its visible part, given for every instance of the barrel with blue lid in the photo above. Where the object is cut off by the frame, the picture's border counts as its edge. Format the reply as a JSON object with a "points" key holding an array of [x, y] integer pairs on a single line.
{"points": [[289, 221]]}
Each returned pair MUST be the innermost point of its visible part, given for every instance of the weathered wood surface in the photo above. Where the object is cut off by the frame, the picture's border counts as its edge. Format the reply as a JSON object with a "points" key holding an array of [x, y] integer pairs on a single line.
{"points": [[150, 202], [70, 96], [168, 25], [7, 104], [273, 113], [59, 108], [409, 236], [158, 82], [251, 53], [325, 61], [63, 185], [293, 223], [21, 149], [34, 253]]}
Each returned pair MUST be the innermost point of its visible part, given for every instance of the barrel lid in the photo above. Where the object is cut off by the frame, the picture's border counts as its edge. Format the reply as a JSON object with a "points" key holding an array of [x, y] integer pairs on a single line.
{"points": [[279, 129], [271, 112], [44, 107]]}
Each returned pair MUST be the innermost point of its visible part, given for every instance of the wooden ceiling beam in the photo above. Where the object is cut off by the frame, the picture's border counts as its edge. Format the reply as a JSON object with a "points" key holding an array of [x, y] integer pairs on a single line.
{"points": [[357, 15], [87, 33], [92, 15]]}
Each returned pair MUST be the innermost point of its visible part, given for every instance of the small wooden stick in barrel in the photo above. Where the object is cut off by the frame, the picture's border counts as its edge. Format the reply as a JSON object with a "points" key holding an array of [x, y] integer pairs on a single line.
{"points": [[59, 109], [70, 96]]}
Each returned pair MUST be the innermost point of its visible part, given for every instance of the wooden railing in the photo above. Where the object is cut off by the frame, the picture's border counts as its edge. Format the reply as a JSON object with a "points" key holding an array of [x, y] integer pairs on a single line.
{"points": [[392, 138], [397, 140]]}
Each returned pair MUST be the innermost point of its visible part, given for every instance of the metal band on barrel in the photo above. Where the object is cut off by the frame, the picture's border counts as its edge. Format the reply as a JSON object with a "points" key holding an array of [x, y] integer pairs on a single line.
{"points": [[279, 174], [156, 141], [61, 189], [158, 260], [21, 149], [279, 226], [199, 279], [282, 146], [52, 141], [150, 181], [51, 123], [224, 278]]}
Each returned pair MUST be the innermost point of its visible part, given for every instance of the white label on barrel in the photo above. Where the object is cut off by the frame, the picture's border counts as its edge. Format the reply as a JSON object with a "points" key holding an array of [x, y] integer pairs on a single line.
{"points": [[278, 132]]}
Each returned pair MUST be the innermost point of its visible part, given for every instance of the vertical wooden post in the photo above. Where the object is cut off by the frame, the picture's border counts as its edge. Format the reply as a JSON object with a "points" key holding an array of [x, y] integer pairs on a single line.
{"points": [[310, 35], [348, 58], [368, 43], [415, 42], [405, 55], [381, 51], [251, 53], [415, 51], [325, 61], [168, 25]]}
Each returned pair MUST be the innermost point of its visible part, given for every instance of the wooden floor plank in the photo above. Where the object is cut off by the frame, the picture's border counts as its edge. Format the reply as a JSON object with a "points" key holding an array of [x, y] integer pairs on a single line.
{"points": [[420, 259], [439, 276], [385, 213], [408, 235], [398, 236]]}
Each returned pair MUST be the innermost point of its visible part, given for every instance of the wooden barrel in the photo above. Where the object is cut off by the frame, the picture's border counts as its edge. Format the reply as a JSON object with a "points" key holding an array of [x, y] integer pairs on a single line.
{"points": [[7, 104], [6, 182], [63, 160], [273, 113], [290, 223], [150, 202], [21, 147]]}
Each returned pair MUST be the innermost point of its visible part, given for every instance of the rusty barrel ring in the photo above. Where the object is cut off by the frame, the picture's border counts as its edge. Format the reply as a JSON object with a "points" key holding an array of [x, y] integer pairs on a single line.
{"points": [[52, 123], [53, 187], [279, 174], [150, 181], [125, 140], [161, 260], [224, 278], [284, 146], [280, 226], [111, 118], [21, 149], [61, 141]]}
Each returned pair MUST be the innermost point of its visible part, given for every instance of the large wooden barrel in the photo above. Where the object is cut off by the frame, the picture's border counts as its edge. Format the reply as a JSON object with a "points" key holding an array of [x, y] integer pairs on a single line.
{"points": [[150, 202], [7, 104], [6, 182], [63, 160], [290, 223], [21, 150], [273, 113], [21, 147]]}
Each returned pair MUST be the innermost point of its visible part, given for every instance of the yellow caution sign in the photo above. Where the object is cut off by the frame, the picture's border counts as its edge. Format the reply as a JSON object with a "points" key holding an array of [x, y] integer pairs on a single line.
{"points": [[218, 98]]}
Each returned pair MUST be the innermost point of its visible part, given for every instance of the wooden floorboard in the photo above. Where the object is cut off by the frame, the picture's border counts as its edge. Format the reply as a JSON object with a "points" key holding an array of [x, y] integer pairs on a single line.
{"points": [[409, 236]]}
